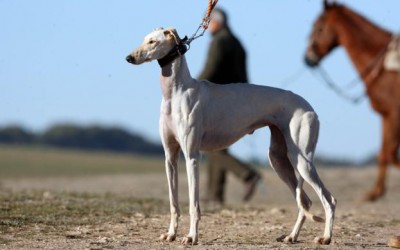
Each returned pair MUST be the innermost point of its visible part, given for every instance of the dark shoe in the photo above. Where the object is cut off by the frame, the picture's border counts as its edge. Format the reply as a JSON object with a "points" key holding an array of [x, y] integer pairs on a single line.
{"points": [[250, 187]]}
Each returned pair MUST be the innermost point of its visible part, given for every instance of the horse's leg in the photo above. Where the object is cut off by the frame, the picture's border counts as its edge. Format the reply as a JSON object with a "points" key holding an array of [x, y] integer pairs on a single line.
{"points": [[396, 140], [387, 155]]}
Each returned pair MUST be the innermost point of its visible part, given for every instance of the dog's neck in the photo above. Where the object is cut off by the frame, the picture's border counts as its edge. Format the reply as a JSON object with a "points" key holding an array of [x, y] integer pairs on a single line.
{"points": [[174, 76]]}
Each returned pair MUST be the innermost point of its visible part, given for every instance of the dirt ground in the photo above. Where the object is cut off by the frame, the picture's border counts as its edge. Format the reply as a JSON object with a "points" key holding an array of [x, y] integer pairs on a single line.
{"points": [[131, 211]]}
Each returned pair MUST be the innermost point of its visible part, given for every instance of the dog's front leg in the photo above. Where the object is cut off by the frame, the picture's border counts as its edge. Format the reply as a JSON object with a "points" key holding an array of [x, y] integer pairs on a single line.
{"points": [[171, 167], [192, 168]]}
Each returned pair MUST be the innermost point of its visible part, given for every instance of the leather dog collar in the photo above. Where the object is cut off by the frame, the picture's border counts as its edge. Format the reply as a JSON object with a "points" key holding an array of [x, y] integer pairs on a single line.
{"points": [[179, 50]]}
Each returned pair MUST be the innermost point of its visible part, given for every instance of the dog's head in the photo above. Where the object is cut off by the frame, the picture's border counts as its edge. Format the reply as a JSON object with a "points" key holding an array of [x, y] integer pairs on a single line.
{"points": [[156, 45]]}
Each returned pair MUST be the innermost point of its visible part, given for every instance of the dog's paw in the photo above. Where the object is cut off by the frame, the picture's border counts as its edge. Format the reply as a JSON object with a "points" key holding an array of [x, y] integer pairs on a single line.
{"points": [[167, 237], [322, 240], [189, 240], [286, 239]]}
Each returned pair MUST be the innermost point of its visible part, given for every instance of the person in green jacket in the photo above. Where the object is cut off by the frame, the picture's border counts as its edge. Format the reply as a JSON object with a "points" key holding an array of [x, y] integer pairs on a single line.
{"points": [[226, 63]]}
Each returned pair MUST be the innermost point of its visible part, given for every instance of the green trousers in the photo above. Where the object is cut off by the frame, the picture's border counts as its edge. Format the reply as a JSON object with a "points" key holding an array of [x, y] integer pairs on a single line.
{"points": [[219, 164]]}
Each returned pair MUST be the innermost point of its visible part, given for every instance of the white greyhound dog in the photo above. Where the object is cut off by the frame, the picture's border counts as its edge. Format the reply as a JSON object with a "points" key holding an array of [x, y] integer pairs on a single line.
{"points": [[201, 116]]}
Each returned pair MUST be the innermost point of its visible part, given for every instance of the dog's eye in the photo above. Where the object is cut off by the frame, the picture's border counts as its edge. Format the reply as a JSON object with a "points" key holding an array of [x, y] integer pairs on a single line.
{"points": [[151, 41]]}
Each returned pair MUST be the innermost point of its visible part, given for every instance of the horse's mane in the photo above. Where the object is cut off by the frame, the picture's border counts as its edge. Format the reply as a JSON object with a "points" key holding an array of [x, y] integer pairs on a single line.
{"points": [[356, 19]]}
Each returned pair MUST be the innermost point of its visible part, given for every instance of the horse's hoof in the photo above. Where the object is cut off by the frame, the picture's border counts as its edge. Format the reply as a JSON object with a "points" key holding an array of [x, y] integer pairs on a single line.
{"points": [[374, 195], [394, 242], [371, 197]]}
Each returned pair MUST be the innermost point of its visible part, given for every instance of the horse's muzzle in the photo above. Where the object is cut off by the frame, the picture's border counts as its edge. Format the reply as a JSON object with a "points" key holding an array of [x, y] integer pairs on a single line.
{"points": [[310, 62]]}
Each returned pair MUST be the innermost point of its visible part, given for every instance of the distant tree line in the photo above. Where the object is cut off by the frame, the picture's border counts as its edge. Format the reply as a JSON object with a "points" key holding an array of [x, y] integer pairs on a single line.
{"points": [[340, 162], [117, 140], [79, 137]]}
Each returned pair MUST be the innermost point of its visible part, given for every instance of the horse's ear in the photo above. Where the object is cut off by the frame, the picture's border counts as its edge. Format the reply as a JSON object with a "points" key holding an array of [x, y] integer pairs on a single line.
{"points": [[327, 5]]}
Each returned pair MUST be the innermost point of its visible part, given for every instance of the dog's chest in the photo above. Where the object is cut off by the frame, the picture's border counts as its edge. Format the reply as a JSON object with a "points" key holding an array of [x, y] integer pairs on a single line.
{"points": [[166, 108], [178, 112]]}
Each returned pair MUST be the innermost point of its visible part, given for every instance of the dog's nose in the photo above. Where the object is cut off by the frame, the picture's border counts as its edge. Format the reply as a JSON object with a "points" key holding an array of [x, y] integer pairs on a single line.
{"points": [[130, 59]]}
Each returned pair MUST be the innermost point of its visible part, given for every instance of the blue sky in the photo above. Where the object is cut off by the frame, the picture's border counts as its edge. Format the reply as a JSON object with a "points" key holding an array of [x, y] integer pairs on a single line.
{"points": [[63, 61]]}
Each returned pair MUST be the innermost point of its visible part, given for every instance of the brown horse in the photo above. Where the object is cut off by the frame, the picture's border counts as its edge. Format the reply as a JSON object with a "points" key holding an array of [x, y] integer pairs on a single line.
{"points": [[366, 45]]}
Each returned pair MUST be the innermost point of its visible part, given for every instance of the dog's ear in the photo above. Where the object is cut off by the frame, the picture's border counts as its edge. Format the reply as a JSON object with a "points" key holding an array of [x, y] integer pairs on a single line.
{"points": [[172, 34]]}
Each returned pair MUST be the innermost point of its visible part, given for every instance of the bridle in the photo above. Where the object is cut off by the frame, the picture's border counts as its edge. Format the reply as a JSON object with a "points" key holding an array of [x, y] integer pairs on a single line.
{"points": [[370, 70]]}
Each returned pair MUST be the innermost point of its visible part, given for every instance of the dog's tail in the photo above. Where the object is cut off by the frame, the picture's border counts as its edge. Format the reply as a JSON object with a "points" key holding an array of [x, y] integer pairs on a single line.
{"points": [[312, 217], [304, 204]]}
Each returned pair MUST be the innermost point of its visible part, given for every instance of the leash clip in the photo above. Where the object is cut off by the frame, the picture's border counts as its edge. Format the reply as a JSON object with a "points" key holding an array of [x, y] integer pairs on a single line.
{"points": [[204, 24]]}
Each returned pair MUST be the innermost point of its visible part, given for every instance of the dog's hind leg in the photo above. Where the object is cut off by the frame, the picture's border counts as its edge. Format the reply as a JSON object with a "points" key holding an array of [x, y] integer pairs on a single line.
{"points": [[301, 146], [171, 167], [282, 166], [307, 171]]}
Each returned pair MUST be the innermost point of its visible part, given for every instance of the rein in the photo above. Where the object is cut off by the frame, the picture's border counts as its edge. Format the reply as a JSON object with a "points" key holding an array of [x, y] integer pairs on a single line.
{"points": [[333, 86], [184, 45], [339, 91]]}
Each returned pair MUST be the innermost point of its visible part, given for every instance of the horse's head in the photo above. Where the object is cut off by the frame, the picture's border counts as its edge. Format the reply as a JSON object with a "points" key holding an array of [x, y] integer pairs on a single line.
{"points": [[323, 37], [156, 45]]}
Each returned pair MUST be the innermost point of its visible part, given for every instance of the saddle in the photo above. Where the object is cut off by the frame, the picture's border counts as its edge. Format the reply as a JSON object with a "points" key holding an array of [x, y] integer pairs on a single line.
{"points": [[392, 57]]}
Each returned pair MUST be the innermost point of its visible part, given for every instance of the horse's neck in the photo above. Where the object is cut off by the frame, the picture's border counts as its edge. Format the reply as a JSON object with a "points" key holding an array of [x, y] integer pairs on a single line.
{"points": [[362, 39], [175, 76]]}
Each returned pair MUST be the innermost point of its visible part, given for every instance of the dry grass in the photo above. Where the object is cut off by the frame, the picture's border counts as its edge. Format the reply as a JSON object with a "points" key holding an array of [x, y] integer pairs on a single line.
{"points": [[41, 216], [65, 210], [48, 162], [54, 199]]}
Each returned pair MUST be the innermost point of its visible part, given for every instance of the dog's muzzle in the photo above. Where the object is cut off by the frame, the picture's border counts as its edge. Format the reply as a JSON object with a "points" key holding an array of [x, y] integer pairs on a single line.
{"points": [[130, 59]]}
